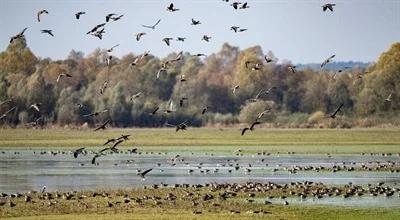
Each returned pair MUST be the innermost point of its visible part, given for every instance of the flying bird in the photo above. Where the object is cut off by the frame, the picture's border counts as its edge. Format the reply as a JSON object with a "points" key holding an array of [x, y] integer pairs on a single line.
{"points": [[96, 28], [333, 115], [171, 8], [267, 59], [254, 124], [116, 18], [78, 151], [142, 174], [96, 156], [78, 14], [194, 22], [112, 48], [18, 36], [154, 111], [204, 110], [244, 6], [206, 38], [328, 60], [40, 14], [153, 26], [234, 89], [95, 113], [167, 40], [235, 5], [181, 39], [109, 16], [111, 140], [161, 70], [328, 6], [262, 114], [139, 35], [5, 102], [182, 100], [7, 112], [135, 96], [244, 130], [292, 68], [389, 98], [62, 75], [103, 87], [36, 106], [102, 126], [46, 31]]}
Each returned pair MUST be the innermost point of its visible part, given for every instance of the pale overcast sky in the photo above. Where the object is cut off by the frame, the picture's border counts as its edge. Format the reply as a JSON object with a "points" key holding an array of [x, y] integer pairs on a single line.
{"points": [[296, 30]]}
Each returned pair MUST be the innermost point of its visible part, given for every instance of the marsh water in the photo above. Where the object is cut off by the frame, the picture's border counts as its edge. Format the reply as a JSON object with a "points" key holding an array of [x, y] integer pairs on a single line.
{"points": [[27, 170]]}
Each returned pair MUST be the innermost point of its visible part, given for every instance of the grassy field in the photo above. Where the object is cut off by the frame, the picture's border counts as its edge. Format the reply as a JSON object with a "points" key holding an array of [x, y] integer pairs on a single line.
{"points": [[89, 207], [277, 212], [213, 139]]}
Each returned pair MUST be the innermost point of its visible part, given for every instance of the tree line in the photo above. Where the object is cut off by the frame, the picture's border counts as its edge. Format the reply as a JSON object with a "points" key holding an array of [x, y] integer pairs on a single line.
{"points": [[188, 86]]}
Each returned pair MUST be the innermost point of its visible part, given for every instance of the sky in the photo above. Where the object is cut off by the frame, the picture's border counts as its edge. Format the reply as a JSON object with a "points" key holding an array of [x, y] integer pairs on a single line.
{"points": [[295, 30]]}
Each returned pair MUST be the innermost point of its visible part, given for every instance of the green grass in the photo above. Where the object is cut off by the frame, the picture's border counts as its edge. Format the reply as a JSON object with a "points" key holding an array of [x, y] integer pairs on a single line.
{"points": [[91, 207], [212, 139], [278, 212]]}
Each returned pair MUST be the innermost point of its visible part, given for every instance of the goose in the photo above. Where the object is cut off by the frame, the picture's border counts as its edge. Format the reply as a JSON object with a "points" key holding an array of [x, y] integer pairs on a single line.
{"points": [[109, 16], [204, 110], [328, 60], [389, 98], [161, 70], [62, 75], [171, 8], [181, 39], [236, 4], [142, 174], [95, 113], [96, 28], [244, 6], [78, 151], [333, 115], [46, 31], [116, 18], [18, 36], [78, 14], [102, 126], [112, 48], [154, 111], [35, 106], [194, 22], [292, 68], [153, 26], [139, 35], [235, 89], [167, 40], [328, 6], [206, 38], [135, 96], [7, 112], [44, 11]]}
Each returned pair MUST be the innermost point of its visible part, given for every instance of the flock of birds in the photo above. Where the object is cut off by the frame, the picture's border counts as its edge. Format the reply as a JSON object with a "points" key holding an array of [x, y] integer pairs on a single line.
{"points": [[99, 30]]}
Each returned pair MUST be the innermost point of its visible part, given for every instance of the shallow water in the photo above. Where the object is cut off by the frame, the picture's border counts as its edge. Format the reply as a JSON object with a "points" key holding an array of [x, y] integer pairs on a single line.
{"points": [[28, 171], [362, 201]]}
